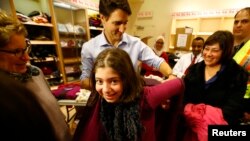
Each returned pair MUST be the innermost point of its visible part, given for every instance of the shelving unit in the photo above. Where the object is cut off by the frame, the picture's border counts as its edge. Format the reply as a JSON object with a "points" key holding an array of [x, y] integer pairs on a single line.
{"points": [[45, 53], [72, 32], [202, 26], [59, 61], [93, 29]]}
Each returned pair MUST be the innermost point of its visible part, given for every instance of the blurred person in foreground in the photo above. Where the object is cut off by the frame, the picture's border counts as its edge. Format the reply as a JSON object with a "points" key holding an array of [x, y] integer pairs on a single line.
{"points": [[22, 116], [14, 58]]}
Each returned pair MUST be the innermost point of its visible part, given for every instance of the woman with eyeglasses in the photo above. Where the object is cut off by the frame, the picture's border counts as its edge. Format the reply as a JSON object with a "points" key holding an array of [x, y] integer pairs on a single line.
{"points": [[14, 62]]}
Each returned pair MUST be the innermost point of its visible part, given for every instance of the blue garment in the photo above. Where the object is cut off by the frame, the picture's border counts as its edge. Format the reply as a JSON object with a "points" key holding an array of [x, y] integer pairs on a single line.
{"points": [[136, 49], [214, 78]]}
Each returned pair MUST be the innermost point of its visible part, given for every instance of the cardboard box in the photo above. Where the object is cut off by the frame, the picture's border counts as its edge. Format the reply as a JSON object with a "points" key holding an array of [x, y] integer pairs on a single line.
{"points": [[183, 38]]}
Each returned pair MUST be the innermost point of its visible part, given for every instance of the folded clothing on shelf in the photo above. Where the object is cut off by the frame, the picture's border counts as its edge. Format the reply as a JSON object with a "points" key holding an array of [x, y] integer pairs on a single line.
{"points": [[62, 28], [23, 18], [39, 17]]}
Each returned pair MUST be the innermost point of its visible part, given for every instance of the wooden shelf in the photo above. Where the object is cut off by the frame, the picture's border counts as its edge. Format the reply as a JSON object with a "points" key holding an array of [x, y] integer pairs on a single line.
{"points": [[44, 59], [73, 72], [202, 26], [76, 17], [71, 34], [51, 77], [71, 60], [38, 42], [48, 30], [95, 28], [38, 24]]}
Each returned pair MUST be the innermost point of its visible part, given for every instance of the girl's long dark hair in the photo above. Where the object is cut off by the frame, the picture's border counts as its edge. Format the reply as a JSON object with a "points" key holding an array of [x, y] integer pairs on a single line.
{"points": [[119, 60], [121, 120]]}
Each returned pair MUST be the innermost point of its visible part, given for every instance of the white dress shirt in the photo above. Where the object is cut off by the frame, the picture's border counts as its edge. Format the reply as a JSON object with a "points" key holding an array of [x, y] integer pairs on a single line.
{"points": [[184, 62], [136, 49]]}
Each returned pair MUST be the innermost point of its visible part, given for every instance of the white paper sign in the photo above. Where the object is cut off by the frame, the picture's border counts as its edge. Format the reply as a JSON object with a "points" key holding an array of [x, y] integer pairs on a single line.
{"points": [[181, 40]]}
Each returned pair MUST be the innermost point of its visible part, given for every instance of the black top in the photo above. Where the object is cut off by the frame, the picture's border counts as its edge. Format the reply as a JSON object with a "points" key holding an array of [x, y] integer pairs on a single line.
{"points": [[225, 91]]}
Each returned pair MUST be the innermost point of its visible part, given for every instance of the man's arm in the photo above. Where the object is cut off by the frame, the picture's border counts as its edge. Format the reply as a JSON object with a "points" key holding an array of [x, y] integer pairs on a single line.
{"points": [[165, 69], [85, 84], [87, 65]]}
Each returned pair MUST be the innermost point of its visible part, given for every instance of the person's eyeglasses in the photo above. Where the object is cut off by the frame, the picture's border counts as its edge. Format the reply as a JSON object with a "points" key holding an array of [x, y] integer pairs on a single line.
{"points": [[20, 52]]}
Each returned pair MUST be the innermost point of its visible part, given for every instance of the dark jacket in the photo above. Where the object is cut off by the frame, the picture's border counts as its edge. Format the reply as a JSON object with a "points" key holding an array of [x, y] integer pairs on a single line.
{"points": [[226, 92]]}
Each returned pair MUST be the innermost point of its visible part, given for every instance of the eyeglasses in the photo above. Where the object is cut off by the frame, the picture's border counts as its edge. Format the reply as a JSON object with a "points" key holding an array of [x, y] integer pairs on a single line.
{"points": [[20, 52]]}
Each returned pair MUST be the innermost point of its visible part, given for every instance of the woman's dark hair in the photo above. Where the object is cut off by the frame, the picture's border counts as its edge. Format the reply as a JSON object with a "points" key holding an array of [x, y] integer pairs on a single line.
{"points": [[106, 7], [120, 61], [225, 40]]}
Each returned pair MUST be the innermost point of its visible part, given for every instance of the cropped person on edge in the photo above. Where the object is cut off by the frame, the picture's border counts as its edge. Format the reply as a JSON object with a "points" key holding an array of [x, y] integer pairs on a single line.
{"points": [[186, 60], [159, 50], [22, 116], [215, 87], [241, 32], [114, 16], [124, 109], [241, 28], [14, 58]]}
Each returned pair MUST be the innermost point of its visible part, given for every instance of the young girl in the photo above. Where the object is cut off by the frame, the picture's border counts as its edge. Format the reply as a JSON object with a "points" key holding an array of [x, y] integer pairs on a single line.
{"points": [[122, 108]]}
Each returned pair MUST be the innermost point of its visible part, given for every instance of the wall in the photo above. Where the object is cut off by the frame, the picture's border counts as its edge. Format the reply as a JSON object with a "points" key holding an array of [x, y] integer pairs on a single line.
{"points": [[34, 5], [160, 22]]}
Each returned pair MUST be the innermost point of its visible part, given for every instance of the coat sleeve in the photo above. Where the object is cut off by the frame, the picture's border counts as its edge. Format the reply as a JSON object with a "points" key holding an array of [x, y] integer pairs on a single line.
{"points": [[156, 94]]}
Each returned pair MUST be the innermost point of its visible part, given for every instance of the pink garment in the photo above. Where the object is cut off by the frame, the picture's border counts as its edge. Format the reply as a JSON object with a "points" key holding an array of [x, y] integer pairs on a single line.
{"points": [[66, 91], [198, 117], [152, 97]]}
